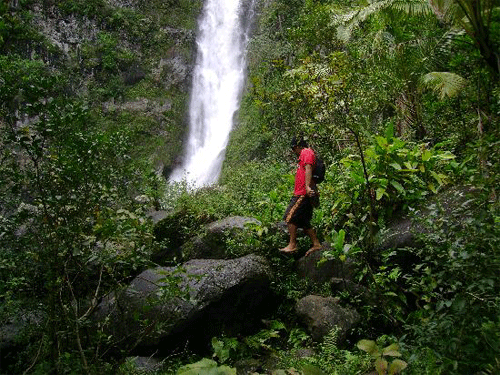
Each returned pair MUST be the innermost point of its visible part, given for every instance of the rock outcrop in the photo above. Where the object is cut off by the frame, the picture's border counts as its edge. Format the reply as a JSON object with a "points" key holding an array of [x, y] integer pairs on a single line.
{"points": [[319, 270], [452, 205], [320, 315], [203, 298], [212, 244]]}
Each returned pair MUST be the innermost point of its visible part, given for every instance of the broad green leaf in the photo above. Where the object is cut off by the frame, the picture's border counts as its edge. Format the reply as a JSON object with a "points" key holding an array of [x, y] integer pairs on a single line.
{"points": [[392, 350], [380, 193], [308, 369], [389, 132], [191, 369], [409, 170], [382, 142], [409, 165], [437, 177], [396, 367], [426, 155], [398, 186], [381, 366], [369, 346], [339, 240], [446, 156], [395, 166], [205, 367]]}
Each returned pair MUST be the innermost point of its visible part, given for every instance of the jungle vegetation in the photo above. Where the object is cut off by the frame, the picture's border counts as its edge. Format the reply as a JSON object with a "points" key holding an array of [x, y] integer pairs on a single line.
{"points": [[400, 97]]}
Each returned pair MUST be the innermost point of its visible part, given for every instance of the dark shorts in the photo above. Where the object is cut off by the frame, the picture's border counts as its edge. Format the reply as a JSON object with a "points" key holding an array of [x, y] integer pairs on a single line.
{"points": [[299, 212]]}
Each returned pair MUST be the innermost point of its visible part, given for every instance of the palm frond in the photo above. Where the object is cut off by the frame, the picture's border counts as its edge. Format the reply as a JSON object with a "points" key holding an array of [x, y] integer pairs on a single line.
{"points": [[348, 22], [384, 40], [445, 10], [412, 7], [445, 84]]}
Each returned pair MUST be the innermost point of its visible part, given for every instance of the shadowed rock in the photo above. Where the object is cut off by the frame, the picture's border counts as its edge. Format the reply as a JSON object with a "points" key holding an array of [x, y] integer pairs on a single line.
{"points": [[169, 306], [320, 315], [453, 205]]}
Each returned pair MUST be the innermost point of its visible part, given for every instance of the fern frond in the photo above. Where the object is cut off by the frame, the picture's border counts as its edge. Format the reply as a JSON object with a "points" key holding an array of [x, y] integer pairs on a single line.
{"points": [[445, 84]]}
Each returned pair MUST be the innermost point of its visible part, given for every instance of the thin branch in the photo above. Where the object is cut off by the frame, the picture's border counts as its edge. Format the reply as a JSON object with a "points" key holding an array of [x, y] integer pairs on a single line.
{"points": [[94, 299], [36, 357], [77, 326]]}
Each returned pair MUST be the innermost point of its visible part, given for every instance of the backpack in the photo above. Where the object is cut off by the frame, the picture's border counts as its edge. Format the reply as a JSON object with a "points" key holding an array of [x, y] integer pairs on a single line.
{"points": [[319, 169]]}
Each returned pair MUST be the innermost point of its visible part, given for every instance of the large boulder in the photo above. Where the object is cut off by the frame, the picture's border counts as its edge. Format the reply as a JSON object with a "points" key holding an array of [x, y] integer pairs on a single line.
{"points": [[168, 306], [322, 314], [452, 205], [213, 243], [316, 268], [210, 244], [16, 330]]}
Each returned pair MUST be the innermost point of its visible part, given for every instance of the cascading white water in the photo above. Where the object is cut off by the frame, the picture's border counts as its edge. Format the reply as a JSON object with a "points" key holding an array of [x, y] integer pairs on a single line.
{"points": [[218, 80]]}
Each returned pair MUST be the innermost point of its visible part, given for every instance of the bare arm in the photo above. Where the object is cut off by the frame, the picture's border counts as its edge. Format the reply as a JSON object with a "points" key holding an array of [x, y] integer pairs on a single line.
{"points": [[309, 180]]}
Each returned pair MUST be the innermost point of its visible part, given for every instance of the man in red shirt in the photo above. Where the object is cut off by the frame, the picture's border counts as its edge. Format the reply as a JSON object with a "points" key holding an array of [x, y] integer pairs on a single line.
{"points": [[299, 212]]}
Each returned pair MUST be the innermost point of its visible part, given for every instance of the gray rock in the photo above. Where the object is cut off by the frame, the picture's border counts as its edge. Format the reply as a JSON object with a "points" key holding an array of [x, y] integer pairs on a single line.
{"points": [[452, 205], [157, 216], [319, 270], [231, 223], [305, 353], [322, 314], [208, 297], [15, 331], [213, 243]]}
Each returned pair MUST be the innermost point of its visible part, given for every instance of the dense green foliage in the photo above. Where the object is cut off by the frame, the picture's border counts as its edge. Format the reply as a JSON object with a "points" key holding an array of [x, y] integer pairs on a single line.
{"points": [[71, 229], [402, 100]]}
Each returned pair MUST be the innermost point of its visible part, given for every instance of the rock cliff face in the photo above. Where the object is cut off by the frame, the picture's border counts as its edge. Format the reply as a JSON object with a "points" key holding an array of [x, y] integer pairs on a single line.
{"points": [[131, 59]]}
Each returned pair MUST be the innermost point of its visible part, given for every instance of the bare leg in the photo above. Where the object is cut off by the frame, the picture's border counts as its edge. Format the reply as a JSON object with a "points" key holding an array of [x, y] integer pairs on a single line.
{"points": [[292, 244], [316, 245]]}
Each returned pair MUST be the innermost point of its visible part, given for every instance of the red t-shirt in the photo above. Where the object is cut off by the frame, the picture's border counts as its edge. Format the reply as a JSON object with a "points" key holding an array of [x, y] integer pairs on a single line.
{"points": [[306, 157]]}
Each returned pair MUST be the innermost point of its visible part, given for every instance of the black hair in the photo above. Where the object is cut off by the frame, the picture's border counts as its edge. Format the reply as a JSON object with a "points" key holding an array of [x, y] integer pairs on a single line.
{"points": [[298, 141]]}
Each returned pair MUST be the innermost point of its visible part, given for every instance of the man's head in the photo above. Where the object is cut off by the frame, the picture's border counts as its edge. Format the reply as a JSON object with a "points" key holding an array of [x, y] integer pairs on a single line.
{"points": [[297, 144]]}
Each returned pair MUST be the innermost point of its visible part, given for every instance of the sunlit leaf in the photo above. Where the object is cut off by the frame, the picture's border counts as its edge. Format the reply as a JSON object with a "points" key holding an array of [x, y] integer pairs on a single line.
{"points": [[380, 193], [368, 346], [398, 186], [445, 84], [396, 367], [426, 155], [392, 350], [339, 240], [381, 365]]}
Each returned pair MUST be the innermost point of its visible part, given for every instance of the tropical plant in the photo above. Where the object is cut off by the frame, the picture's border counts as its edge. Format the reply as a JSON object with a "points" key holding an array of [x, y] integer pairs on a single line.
{"points": [[205, 367], [381, 355], [68, 219], [457, 290], [478, 20]]}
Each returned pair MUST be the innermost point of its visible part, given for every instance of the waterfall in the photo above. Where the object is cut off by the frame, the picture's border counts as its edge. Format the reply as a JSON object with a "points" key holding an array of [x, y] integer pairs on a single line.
{"points": [[218, 80]]}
